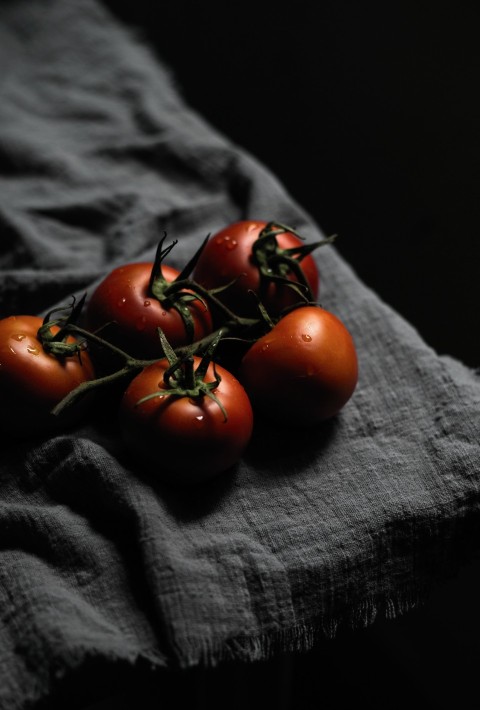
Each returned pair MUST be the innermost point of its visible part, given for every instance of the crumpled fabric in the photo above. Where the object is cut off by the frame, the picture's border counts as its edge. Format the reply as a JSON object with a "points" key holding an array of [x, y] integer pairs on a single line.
{"points": [[99, 155]]}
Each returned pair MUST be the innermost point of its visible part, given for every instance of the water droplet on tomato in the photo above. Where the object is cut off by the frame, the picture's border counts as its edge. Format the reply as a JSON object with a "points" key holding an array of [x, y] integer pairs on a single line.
{"points": [[306, 338], [164, 313], [141, 323], [231, 245], [147, 303], [199, 418], [265, 347], [219, 240], [19, 336], [121, 302], [12, 349], [252, 227], [32, 350]]}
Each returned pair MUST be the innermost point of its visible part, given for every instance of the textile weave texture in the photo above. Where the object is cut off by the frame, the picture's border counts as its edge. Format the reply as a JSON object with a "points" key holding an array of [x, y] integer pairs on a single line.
{"points": [[99, 154]]}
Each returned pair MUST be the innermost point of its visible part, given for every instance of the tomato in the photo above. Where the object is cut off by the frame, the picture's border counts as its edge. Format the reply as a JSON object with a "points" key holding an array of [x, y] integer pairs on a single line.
{"points": [[185, 439], [304, 370], [33, 381], [124, 301], [229, 256]]}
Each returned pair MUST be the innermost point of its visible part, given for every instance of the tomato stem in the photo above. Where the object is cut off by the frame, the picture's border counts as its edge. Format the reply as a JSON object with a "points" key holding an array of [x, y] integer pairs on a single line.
{"points": [[209, 297], [56, 343], [181, 379], [79, 392], [275, 263], [156, 272], [170, 294], [130, 367], [189, 267]]}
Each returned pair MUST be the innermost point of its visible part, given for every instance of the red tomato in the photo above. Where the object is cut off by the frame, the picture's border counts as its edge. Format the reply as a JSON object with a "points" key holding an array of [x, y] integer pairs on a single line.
{"points": [[123, 301], [184, 439], [304, 370], [229, 255], [33, 381]]}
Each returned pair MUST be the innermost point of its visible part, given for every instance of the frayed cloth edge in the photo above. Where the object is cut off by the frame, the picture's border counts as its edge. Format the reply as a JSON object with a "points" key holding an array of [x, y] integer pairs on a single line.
{"points": [[300, 638]]}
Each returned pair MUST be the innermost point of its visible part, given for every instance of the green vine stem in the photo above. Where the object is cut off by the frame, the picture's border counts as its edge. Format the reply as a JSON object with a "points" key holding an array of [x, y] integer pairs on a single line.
{"points": [[182, 379], [210, 297], [131, 366], [167, 293], [275, 263], [57, 343]]}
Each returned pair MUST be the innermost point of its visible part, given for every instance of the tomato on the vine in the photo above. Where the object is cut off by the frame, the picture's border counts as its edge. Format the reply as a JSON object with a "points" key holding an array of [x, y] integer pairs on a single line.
{"points": [[258, 256], [129, 312], [33, 380], [304, 370], [185, 436]]}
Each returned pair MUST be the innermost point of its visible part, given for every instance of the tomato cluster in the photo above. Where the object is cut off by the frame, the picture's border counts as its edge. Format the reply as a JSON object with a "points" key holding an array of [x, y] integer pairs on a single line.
{"points": [[237, 333]]}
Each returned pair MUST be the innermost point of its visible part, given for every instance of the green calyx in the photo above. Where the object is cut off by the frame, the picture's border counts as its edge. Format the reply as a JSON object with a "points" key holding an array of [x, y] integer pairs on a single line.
{"points": [[170, 293], [181, 379], [276, 264], [57, 343]]}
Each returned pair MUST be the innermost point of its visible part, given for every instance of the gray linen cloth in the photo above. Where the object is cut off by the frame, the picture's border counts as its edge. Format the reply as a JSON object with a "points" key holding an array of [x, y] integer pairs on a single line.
{"points": [[98, 155]]}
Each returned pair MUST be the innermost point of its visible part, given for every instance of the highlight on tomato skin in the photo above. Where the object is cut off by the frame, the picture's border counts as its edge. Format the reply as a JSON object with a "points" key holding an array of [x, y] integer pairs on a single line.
{"points": [[185, 440], [304, 370], [33, 381]]}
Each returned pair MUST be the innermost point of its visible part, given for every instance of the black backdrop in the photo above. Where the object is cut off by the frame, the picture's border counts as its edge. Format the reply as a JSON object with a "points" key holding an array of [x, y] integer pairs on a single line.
{"points": [[369, 116]]}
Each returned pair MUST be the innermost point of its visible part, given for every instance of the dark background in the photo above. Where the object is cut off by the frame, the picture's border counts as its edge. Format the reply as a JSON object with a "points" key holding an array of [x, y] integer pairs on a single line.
{"points": [[369, 115]]}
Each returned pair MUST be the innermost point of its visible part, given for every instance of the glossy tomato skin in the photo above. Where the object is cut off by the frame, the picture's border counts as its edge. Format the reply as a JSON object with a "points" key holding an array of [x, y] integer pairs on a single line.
{"points": [[228, 256], [304, 370], [122, 300], [182, 440], [33, 381]]}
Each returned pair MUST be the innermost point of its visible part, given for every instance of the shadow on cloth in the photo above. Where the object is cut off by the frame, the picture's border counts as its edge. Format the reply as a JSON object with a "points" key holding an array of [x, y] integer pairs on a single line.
{"points": [[274, 448]]}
